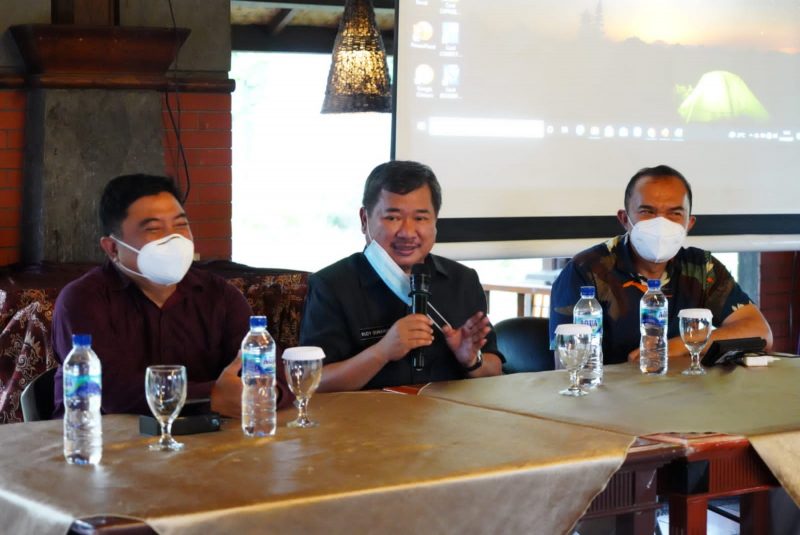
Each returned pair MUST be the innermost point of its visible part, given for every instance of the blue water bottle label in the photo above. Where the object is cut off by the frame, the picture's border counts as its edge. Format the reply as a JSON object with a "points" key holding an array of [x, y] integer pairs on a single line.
{"points": [[654, 317], [595, 323], [256, 363], [82, 385]]}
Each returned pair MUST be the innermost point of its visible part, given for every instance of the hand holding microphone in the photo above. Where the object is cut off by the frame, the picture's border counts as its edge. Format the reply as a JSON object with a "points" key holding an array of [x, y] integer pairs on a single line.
{"points": [[410, 333]]}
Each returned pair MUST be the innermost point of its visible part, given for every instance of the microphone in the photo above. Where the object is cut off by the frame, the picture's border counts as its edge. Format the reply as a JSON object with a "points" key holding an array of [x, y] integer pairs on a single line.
{"points": [[420, 292]]}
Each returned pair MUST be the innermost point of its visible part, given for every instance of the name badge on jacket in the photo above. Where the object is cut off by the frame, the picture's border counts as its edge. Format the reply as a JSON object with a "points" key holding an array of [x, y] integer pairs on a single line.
{"points": [[369, 333]]}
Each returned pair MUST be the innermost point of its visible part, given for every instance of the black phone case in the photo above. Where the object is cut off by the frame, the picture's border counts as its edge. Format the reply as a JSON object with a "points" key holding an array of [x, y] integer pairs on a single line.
{"points": [[724, 351], [196, 416], [183, 425]]}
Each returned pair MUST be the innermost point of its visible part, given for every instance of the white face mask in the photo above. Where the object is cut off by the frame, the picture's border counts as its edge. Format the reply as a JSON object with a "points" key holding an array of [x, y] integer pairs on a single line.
{"points": [[387, 269], [163, 261], [658, 239]]}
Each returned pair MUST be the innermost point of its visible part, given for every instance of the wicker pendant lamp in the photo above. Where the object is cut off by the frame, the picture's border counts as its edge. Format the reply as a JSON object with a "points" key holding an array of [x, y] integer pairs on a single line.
{"points": [[359, 77]]}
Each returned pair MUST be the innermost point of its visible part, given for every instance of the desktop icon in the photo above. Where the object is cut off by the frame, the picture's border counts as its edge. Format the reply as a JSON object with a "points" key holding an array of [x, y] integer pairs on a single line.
{"points": [[422, 31], [423, 74], [450, 33], [451, 75]]}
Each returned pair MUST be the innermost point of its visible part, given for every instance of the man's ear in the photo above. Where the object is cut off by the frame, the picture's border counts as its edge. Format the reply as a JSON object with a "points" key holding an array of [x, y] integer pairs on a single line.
{"points": [[692, 220], [622, 217], [109, 247], [362, 214]]}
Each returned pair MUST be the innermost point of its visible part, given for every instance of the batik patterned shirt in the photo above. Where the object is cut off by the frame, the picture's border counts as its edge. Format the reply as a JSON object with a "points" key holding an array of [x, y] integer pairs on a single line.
{"points": [[692, 279]]}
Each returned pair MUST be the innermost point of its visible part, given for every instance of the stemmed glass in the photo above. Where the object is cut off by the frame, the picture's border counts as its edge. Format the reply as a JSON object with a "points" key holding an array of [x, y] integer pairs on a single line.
{"points": [[303, 367], [572, 347], [165, 390], [695, 326]]}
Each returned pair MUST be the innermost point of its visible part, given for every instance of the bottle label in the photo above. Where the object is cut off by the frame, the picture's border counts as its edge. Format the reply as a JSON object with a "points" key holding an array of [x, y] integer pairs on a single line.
{"points": [[254, 362], [654, 316], [82, 386], [595, 322]]}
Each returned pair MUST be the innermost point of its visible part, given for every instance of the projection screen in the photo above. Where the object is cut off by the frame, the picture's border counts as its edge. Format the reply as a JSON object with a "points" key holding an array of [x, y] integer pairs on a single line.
{"points": [[535, 113]]}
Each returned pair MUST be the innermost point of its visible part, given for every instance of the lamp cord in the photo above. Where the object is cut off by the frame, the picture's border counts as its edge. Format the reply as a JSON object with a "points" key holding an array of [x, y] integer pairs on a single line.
{"points": [[180, 156]]}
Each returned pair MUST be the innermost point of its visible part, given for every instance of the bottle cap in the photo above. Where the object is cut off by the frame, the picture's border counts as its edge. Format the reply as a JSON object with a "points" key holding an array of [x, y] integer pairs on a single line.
{"points": [[303, 353], [654, 284], [573, 329], [698, 313], [81, 339], [587, 291], [258, 322]]}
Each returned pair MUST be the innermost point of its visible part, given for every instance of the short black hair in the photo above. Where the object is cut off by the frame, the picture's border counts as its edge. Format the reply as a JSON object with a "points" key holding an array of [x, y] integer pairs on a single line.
{"points": [[401, 177], [659, 171], [123, 191]]}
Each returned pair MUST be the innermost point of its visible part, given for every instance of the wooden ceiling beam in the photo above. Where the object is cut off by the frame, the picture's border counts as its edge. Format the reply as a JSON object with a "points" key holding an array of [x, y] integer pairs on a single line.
{"points": [[280, 21], [309, 39]]}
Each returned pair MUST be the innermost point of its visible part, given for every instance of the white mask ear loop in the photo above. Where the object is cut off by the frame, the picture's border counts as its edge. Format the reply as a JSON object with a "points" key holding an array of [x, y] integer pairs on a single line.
{"points": [[117, 260], [442, 319], [631, 224], [366, 225], [120, 242]]}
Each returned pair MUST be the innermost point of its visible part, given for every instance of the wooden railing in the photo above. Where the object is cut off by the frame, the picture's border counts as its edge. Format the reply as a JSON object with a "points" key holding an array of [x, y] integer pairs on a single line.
{"points": [[532, 300]]}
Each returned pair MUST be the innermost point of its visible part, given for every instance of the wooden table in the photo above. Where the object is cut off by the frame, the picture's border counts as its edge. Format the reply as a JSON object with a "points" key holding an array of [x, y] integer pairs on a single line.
{"points": [[686, 470], [630, 496], [400, 463], [715, 466], [735, 403], [377, 462]]}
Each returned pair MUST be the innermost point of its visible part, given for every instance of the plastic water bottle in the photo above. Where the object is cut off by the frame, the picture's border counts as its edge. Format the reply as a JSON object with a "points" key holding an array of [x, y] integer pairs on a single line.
{"points": [[83, 425], [588, 311], [653, 314], [258, 380]]}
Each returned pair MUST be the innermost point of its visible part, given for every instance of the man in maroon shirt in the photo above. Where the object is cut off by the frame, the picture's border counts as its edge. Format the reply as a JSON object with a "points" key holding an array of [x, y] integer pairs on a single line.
{"points": [[145, 305]]}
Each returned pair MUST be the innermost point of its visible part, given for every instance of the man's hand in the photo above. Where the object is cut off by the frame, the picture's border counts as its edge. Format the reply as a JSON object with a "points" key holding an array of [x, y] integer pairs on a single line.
{"points": [[465, 341], [407, 333], [746, 321], [226, 394]]}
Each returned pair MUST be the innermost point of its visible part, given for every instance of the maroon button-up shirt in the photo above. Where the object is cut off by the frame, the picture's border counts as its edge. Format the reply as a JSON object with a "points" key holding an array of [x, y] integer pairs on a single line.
{"points": [[201, 326]]}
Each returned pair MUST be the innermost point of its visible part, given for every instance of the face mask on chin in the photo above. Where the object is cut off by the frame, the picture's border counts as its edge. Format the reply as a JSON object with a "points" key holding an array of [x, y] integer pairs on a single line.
{"points": [[657, 240], [387, 269], [396, 279], [164, 261]]}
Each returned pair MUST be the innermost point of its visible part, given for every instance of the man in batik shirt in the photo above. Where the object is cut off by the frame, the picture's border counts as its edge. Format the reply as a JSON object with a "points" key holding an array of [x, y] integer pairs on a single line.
{"points": [[657, 216]]}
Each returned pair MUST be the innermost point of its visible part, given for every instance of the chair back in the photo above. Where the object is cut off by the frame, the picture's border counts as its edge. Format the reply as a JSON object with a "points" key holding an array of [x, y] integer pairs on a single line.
{"points": [[37, 398], [525, 343]]}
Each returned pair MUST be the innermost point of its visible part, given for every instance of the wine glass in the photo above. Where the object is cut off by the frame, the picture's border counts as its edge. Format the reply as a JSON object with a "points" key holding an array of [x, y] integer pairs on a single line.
{"points": [[573, 346], [165, 390], [303, 367], [695, 326]]}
